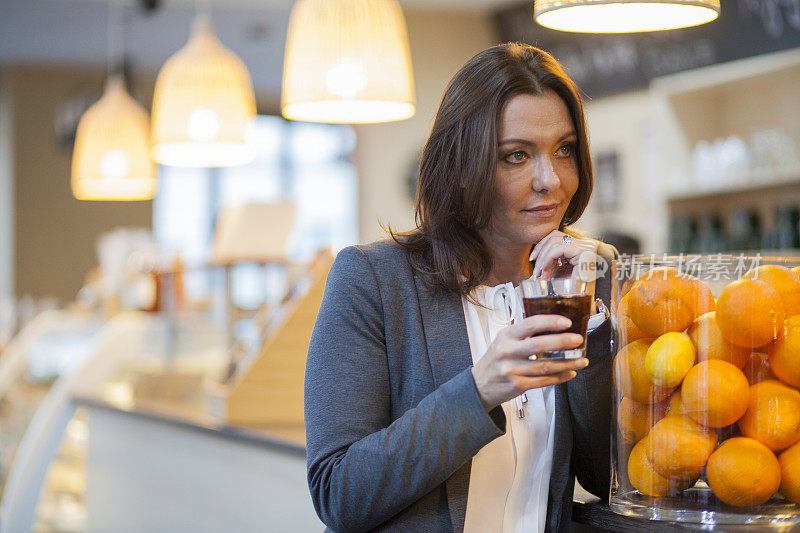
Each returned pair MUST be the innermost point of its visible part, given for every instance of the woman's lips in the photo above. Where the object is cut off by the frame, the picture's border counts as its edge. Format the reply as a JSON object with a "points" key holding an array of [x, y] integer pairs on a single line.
{"points": [[543, 212]]}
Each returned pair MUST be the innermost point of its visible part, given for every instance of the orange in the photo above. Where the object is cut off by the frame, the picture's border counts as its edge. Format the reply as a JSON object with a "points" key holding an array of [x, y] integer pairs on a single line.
{"points": [[784, 353], [635, 419], [749, 313], [626, 286], [790, 473], [715, 393], [773, 415], [675, 405], [785, 282], [757, 368], [648, 481], [710, 344], [665, 300], [680, 447], [628, 330], [704, 300], [743, 472], [631, 378], [669, 358]]}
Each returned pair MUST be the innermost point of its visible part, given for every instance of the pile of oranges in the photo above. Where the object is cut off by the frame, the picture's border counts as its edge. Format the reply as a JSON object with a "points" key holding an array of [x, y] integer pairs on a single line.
{"points": [[709, 388]]}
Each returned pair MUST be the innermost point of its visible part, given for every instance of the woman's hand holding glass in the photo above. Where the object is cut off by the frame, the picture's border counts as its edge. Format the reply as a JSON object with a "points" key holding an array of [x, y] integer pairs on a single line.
{"points": [[509, 367]]}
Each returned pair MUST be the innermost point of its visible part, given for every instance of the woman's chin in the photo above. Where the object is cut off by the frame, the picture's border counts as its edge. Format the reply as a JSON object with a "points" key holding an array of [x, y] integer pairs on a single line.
{"points": [[541, 232]]}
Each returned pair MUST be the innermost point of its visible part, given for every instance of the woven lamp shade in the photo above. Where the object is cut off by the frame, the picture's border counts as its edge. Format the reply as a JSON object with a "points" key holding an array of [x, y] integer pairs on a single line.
{"points": [[347, 61], [203, 105], [623, 16], [111, 160]]}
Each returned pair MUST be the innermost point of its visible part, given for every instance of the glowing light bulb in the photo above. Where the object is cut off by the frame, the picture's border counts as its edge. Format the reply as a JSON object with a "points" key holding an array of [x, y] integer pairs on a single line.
{"points": [[202, 125], [347, 78], [115, 165]]}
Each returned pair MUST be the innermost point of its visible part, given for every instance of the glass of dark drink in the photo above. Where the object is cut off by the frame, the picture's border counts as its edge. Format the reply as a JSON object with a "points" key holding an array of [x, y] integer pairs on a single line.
{"points": [[559, 296]]}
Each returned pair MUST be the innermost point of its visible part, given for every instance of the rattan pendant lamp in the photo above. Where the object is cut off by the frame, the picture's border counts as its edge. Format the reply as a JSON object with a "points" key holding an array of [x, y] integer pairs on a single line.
{"points": [[623, 16], [203, 104], [347, 61], [111, 157]]}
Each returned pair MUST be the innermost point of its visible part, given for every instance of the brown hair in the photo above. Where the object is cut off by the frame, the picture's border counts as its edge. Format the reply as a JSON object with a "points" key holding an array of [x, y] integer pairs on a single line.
{"points": [[455, 192]]}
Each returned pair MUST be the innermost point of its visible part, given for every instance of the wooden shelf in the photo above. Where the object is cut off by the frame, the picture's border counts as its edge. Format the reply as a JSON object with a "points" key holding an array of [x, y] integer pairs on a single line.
{"points": [[757, 182], [725, 75]]}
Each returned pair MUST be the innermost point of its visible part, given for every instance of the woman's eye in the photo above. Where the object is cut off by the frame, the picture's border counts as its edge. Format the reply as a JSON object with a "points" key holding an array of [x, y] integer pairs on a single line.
{"points": [[516, 157], [567, 150]]}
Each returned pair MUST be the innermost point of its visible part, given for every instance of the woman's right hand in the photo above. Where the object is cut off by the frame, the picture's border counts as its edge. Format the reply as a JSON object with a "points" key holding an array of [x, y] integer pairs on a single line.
{"points": [[505, 371]]}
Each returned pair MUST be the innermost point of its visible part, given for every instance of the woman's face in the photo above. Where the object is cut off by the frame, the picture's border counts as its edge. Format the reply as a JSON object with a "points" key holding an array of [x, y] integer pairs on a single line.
{"points": [[537, 169]]}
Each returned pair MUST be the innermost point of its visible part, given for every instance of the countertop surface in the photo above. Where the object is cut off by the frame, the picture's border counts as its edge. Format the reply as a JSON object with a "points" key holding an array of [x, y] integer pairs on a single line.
{"points": [[598, 514], [195, 410], [196, 415]]}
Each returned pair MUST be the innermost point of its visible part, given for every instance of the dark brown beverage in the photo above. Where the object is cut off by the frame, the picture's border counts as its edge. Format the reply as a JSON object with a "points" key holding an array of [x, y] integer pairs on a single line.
{"points": [[576, 308]]}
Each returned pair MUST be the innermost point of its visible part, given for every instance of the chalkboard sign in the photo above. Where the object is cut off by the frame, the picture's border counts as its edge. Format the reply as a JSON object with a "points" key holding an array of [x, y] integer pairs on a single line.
{"points": [[606, 64]]}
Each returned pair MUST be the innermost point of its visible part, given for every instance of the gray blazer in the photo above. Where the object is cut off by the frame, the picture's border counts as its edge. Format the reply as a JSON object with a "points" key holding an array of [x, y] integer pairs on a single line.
{"points": [[392, 413]]}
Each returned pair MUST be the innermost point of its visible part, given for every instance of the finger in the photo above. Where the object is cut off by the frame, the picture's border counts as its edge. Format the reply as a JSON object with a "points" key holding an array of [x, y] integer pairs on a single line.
{"points": [[527, 383], [544, 263], [524, 349], [546, 343], [585, 252], [544, 258], [547, 238], [538, 247], [537, 324], [548, 367], [572, 252]]}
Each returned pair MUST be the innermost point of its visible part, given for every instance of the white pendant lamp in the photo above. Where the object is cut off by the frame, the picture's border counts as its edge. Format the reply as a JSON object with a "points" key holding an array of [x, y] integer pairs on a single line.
{"points": [[623, 16], [347, 61], [203, 104], [111, 160], [111, 156]]}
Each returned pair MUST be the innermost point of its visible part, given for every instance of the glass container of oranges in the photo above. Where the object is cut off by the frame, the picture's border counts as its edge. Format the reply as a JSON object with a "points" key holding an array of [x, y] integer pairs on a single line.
{"points": [[707, 389]]}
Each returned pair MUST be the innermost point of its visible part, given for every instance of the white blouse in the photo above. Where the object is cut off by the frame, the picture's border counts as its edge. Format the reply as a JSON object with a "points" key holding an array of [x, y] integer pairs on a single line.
{"points": [[510, 476]]}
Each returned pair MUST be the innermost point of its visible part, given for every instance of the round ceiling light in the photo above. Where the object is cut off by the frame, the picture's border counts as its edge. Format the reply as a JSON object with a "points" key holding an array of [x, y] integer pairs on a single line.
{"points": [[623, 16]]}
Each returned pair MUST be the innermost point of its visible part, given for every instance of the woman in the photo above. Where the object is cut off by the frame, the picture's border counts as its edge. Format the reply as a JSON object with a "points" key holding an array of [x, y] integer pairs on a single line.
{"points": [[415, 414]]}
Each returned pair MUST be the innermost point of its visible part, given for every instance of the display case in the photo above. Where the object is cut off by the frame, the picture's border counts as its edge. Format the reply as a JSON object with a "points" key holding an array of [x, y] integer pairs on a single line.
{"points": [[49, 349], [706, 403]]}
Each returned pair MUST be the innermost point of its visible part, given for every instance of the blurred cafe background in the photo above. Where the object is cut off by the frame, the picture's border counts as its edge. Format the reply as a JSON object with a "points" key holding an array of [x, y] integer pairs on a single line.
{"points": [[170, 204]]}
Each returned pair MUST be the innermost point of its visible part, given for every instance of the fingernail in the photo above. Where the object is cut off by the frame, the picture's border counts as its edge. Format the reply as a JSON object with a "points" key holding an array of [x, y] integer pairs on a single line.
{"points": [[584, 363], [572, 373], [565, 322]]}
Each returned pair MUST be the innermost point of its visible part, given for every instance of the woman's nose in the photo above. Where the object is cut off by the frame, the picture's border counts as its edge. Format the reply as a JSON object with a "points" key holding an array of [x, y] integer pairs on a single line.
{"points": [[544, 177]]}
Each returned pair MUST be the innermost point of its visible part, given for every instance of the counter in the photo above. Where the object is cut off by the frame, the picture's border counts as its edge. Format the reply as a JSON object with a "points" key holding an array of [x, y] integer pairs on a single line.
{"points": [[270, 461], [149, 469]]}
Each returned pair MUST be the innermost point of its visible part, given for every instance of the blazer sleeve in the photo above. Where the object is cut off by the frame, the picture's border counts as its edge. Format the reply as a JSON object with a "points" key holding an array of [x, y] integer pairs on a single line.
{"points": [[363, 467], [590, 399]]}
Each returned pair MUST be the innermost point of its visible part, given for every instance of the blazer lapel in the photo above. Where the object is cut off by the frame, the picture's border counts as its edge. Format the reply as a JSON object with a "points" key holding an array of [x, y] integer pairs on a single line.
{"points": [[449, 353], [445, 332]]}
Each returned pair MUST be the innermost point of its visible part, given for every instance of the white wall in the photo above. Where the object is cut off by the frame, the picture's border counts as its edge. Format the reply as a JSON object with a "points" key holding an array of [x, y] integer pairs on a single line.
{"points": [[6, 192], [441, 42], [630, 125]]}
